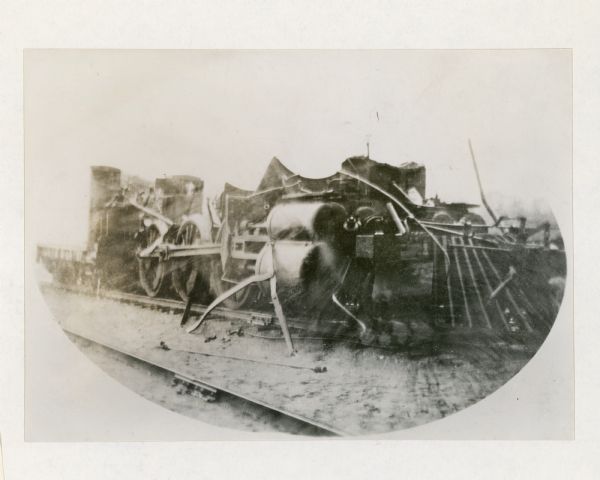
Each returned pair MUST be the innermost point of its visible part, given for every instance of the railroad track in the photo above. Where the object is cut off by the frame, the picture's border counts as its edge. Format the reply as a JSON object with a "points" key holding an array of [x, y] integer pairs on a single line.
{"points": [[293, 423], [253, 317], [174, 305]]}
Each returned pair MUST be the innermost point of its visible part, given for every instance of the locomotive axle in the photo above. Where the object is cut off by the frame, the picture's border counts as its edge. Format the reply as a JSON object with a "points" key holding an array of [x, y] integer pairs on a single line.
{"points": [[170, 251]]}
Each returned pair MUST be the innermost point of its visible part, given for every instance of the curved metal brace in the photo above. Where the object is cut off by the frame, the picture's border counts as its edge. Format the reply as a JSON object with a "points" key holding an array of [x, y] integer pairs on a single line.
{"points": [[270, 275], [336, 301], [361, 324], [225, 295], [152, 213], [280, 315]]}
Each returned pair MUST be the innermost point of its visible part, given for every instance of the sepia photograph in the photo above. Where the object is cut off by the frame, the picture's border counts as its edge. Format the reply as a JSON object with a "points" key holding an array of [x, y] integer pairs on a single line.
{"points": [[301, 243]]}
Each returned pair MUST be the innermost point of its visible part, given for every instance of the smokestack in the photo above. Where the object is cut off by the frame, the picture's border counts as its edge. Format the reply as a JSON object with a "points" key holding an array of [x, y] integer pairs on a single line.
{"points": [[105, 184]]}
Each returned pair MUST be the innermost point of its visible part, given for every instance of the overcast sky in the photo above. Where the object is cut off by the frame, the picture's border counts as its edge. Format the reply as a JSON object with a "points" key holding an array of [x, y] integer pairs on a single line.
{"points": [[224, 115]]}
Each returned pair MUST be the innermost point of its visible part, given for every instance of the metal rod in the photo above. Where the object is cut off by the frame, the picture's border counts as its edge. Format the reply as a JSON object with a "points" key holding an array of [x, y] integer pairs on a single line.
{"points": [[489, 249], [455, 233], [489, 285], [362, 326], [508, 293], [188, 308], [482, 226], [169, 250], [483, 200], [404, 194], [449, 288], [476, 285], [462, 288], [336, 301], [151, 212], [395, 218], [511, 274], [280, 315]]}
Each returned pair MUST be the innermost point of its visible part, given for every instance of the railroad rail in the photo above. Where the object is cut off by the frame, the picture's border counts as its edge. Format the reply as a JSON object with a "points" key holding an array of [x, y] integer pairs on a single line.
{"points": [[250, 316], [297, 423], [456, 334]]}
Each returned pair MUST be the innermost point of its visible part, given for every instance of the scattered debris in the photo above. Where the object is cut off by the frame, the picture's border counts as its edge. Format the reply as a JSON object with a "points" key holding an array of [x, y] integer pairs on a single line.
{"points": [[236, 331], [371, 409]]}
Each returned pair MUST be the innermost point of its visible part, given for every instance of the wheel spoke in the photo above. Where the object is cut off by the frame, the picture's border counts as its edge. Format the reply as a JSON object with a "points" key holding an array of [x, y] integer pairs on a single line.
{"points": [[191, 281], [151, 269], [186, 272]]}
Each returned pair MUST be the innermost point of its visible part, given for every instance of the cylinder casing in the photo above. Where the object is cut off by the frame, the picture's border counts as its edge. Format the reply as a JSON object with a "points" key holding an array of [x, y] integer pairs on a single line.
{"points": [[304, 249]]}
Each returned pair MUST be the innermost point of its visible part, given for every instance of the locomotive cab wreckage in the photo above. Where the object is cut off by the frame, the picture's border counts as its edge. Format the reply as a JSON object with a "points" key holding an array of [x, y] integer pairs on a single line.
{"points": [[355, 253]]}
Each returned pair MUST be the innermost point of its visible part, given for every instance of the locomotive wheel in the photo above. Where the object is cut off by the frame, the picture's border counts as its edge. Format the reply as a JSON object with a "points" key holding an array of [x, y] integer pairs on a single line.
{"points": [[151, 270], [473, 218], [218, 286], [189, 273], [443, 217]]}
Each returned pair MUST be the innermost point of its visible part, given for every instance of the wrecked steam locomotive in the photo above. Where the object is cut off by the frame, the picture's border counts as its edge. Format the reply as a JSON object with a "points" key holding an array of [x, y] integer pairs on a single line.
{"points": [[352, 252]]}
